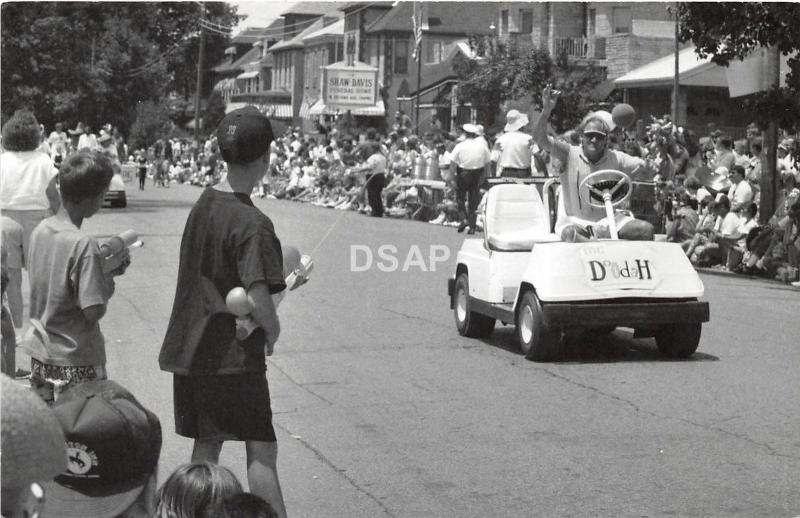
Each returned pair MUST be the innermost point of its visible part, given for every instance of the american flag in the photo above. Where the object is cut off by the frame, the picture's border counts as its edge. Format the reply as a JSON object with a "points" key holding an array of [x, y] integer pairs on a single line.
{"points": [[416, 22]]}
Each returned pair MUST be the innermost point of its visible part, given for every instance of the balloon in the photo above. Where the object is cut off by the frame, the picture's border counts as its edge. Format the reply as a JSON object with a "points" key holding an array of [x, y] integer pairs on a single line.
{"points": [[237, 302], [623, 115]]}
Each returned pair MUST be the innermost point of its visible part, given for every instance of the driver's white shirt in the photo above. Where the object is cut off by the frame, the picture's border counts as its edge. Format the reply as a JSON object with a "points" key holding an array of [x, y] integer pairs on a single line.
{"points": [[577, 167]]}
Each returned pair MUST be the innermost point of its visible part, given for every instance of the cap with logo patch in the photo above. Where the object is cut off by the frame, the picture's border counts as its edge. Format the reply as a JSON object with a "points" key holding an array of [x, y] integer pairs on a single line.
{"points": [[113, 445], [244, 135]]}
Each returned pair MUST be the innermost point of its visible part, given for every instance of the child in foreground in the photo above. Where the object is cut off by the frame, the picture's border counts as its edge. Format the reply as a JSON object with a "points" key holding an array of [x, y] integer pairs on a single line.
{"points": [[70, 283], [220, 386]]}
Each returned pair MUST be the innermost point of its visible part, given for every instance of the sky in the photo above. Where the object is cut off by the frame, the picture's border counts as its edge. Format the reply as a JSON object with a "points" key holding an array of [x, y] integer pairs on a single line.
{"points": [[259, 14]]}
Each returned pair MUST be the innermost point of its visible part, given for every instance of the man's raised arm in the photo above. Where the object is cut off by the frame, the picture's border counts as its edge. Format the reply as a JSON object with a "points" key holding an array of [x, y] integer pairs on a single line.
{"points": [[558, 149]]}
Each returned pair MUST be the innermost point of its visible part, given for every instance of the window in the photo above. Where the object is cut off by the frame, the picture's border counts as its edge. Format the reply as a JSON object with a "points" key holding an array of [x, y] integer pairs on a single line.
{"points": [[526, 21], [400, 56], [433, 51], [350, 47], [622, 20], [591, 22], [351, 22], [504, 21]]}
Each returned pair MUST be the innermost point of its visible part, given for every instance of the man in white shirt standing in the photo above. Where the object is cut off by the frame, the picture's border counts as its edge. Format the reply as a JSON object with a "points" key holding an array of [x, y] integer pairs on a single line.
{"points": [[740, 193], [513, 149], [471, 158]]}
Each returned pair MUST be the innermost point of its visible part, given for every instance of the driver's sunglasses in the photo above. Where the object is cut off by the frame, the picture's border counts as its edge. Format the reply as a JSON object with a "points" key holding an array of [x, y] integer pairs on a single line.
{"points": [[595, 135]]}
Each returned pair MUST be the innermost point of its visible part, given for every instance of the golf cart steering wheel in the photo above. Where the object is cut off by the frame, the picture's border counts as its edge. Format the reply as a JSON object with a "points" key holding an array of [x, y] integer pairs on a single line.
{"points": [[610, 184]]}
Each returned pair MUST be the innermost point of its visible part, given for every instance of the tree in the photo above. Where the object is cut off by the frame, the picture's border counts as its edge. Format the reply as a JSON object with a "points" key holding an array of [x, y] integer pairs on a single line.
{"points": [[729, 31], [94, 62], [215, 111], [507, 72], [151, 124]]}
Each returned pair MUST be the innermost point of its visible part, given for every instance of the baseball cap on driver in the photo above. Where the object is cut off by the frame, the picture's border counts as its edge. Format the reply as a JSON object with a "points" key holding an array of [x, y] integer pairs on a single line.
{"points": [[113, 446], [244, 135]]}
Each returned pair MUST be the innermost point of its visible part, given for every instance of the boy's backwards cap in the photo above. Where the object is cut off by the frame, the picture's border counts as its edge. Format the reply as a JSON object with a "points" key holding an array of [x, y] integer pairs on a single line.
{"points": [[244, 135], [113, 445]]}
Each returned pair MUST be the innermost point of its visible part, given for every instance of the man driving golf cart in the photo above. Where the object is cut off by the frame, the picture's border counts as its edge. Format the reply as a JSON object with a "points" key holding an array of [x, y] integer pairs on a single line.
{"points": [[580, 221]]}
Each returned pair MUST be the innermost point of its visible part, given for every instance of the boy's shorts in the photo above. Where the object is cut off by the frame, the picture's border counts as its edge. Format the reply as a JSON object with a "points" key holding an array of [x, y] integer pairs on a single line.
{"points": [[50, 381], [232, 407]]}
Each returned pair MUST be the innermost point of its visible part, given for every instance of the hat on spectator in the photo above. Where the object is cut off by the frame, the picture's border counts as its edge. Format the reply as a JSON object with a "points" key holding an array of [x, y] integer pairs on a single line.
{"points": [[470, 128], [243, 135], [33, 443], [515, 120], [480, 129], [113, 445]]}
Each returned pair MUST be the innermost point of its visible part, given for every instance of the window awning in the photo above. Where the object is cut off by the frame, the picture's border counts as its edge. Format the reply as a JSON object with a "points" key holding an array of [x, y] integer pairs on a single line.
{"points": [[693, 71], [276, 111], [320, 108], [247, 75]]}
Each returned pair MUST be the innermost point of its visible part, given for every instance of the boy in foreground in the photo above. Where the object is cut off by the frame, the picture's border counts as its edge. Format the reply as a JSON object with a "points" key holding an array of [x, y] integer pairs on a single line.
{"points": [[220, 385], [71, 283]]}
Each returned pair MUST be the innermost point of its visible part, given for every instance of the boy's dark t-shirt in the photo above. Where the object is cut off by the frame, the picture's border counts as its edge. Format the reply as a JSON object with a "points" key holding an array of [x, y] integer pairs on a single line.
{"points": [[227, 242]]}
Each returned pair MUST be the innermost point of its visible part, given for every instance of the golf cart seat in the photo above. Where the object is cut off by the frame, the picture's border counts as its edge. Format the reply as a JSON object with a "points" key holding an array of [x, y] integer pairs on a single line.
{"points": [[515, 218]]}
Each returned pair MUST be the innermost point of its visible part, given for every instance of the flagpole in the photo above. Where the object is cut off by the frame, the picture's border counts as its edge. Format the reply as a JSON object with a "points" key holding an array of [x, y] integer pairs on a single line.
{"points": [[418, 41]]}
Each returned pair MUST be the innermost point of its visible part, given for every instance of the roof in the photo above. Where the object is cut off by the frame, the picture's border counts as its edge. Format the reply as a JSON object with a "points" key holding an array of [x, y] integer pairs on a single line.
{"points": [[693, 71], [250, 35], [334, 29], [440, 18], [318, 8], [436, 73], [246, 58], [297, 41]]}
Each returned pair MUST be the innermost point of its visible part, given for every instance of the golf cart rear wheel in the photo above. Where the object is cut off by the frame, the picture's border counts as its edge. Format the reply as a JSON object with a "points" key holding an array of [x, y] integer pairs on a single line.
{"points": [[537, 342], [678, 340], [468, 322]]}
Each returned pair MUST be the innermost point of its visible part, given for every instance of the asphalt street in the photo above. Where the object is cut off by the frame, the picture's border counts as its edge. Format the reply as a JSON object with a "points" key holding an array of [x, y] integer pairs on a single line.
{"points": [[383, 410]]}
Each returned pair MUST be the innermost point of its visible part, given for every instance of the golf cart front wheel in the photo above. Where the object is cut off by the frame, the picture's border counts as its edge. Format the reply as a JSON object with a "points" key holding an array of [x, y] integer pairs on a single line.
{"points": [[679, 340], [536, 341], [468, 322]]}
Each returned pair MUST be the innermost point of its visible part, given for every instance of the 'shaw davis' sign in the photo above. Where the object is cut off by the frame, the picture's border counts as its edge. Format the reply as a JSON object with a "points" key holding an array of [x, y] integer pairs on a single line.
{"points": [[350, 87]]}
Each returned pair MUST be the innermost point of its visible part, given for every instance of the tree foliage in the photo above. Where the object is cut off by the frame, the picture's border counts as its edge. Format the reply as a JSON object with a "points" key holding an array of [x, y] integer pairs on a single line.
{"points": [[729, 31], [151, 123], [97, 61], [507, 72]]}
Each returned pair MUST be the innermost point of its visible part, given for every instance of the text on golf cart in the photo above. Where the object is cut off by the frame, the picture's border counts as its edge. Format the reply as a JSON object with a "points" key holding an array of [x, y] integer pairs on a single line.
{"points": [[640, 269]]}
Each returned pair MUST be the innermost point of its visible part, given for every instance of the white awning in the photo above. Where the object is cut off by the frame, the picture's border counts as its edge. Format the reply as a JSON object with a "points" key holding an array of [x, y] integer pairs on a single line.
{"points": [[693, 71], [320, 108], [247, 75], [276, 111]]}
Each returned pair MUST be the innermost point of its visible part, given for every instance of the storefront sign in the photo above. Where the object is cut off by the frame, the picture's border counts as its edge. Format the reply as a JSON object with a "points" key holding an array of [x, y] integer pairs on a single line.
{"points": [[350, 87]]}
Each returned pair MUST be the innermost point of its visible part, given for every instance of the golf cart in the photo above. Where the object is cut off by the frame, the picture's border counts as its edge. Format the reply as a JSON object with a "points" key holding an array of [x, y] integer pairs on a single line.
{"points": [[521, 273]]}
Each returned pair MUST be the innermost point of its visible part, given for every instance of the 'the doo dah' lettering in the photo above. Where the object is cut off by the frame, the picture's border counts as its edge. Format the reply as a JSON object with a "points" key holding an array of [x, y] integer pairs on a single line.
{"points": [[640, 269]]}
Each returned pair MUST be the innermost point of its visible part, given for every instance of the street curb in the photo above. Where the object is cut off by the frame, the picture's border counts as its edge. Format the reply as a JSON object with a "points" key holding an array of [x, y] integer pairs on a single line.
{"points": [[723, 273]]}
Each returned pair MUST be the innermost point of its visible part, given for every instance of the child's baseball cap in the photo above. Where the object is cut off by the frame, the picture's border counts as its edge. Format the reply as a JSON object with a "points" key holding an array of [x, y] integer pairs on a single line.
{"points": [[244, 135], [113, 445]]}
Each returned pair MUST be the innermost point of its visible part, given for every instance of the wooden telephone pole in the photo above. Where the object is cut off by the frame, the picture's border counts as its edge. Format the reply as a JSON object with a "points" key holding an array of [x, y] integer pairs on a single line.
{"points": [[199, 87]]}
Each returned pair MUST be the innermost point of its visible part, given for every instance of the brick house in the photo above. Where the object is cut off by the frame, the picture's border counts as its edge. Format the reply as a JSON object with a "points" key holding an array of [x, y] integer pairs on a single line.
{"points": [[382, 36], [618, 36]]}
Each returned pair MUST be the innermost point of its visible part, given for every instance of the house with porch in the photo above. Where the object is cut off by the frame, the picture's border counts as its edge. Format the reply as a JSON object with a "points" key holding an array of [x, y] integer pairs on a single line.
{"points": [[617, 36], [384, 38]]}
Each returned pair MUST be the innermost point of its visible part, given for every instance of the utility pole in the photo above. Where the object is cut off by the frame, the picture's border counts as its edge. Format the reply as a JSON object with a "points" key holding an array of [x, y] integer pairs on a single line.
{"points": [[200, 58], [676, 81], [769, 176]]}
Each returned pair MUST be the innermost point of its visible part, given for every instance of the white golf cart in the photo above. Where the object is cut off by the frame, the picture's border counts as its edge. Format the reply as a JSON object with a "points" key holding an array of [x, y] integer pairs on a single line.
{"points": [[521, 273]]}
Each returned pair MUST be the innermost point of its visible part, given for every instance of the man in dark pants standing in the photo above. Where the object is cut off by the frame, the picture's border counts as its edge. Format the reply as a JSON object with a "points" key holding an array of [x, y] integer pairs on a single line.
{"points": [[376, 177], [471, 158]]}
